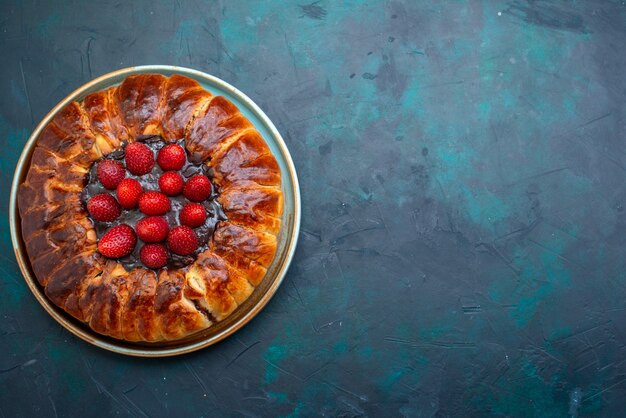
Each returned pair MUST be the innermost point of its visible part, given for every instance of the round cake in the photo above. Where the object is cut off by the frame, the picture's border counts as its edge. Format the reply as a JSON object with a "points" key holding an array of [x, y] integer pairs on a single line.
{"points": [[150, 210]]}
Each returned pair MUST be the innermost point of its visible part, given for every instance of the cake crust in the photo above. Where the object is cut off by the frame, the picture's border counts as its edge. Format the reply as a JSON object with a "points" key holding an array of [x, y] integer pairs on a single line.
{"points": [[142, 304]]}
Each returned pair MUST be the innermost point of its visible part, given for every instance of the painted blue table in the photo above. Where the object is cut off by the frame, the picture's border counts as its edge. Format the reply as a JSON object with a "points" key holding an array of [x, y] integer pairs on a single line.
{"points": [[462, 165]]}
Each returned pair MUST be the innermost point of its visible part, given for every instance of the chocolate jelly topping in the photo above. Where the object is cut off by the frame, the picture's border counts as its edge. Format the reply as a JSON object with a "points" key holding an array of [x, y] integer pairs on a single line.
{"points": [[150, 181]]}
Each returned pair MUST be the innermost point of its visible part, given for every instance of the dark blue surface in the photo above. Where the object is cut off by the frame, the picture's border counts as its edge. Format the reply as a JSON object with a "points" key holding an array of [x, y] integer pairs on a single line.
{"points": [[462, 168]]}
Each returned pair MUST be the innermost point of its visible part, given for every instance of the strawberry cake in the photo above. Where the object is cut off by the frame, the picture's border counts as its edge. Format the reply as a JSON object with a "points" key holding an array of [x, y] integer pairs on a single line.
{"points": [[150, 210]]}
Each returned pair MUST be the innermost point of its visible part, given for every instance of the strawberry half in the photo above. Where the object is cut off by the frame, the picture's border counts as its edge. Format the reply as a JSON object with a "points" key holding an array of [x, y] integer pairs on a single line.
{"points": [[193, 215], [110, 173], [171, 183], [118, 241], [103, 207], [152, 229], [154, 203], [182, 240], [139, 158], [171, 157], [128, 192], [197, 188], [153, 256]]}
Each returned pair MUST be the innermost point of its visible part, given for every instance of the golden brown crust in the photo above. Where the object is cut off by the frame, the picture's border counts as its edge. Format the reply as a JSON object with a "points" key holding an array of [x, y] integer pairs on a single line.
{"points": [[69, 136], [251, 244], [248, 158], [214, 127], [177, 315], [139, 103], [103, 114], [252, 205], [60, 239], [184, 99]]}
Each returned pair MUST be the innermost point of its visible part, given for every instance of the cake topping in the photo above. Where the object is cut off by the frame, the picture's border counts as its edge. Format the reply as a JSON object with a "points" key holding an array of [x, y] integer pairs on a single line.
{"points": [[171, 208], [103, 207], [139, 158], [152, 229], [171, 157], [128, 192], [193, 215], [118, 242], [153, 256], [182, 240], [197, 188], [111, 173], [171, 183]]}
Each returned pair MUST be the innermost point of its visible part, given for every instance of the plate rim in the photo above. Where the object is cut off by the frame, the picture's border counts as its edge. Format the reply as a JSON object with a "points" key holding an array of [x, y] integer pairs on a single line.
{"points": [[82, 331]]}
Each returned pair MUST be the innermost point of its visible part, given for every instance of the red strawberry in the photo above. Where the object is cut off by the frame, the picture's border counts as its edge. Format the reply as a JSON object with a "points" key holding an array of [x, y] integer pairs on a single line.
{"points": [[171, 183], [139, 158], [128, 192], [152, 229], [153, 256], [171, 157], [110, 173], [182, 240], [103, 207], [197, 188], [193, 215], [154, 203], [118, 241]]}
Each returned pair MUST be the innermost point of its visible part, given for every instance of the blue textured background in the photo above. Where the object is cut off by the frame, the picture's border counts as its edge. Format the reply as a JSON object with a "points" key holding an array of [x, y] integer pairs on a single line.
{"points": [[462, 168]]}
